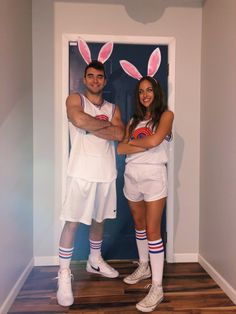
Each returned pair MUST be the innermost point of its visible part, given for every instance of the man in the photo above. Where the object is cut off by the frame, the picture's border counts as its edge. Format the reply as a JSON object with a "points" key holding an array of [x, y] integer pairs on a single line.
{"points": [[94, 125]]}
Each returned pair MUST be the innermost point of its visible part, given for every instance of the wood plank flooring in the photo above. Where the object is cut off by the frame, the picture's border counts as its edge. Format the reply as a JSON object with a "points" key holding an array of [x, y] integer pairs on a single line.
{"points": [[188, 289]]}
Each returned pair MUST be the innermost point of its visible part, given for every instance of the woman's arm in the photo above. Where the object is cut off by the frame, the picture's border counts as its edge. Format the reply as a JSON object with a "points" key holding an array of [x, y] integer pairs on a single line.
{"points": [[164, 128], [124, 147]]}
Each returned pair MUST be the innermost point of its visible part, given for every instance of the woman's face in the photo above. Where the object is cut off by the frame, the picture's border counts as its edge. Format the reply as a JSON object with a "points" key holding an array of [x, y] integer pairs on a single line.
{"points": [[146, 93]]}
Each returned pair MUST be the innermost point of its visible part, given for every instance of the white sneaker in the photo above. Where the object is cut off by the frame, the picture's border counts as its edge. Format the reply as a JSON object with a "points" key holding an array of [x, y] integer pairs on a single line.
{"points": [[152, 299], [99, 266], [64, 292], [142, 272]]}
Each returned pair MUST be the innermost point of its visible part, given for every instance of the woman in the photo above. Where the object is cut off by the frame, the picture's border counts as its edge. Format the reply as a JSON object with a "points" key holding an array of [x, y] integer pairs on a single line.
{"points": [[146, 147]]}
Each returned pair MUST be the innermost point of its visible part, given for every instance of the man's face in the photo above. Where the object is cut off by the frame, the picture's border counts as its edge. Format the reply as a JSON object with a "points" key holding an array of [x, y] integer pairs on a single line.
{"points": [[94, 80]]}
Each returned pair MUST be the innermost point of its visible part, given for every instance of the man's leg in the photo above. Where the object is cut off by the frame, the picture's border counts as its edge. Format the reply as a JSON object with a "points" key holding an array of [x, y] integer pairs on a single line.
{"points": [[96, 239], [64, 293], [95, 263]]}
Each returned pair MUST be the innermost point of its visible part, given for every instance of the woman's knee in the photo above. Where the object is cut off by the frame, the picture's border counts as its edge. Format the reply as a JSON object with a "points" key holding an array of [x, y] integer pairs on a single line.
{"points": [[140, 225], [139, 221], [153, 234]]}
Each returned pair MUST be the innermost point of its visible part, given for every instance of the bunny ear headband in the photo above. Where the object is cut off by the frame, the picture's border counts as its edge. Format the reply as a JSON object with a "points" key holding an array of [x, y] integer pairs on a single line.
{"points": [[153, 65], [103, 55]]}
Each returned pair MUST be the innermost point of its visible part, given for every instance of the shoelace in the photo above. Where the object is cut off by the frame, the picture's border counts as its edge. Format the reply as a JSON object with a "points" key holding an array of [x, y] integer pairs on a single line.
{"points": [[55, 278], [151, 294], [58, 277], [137, 270]]}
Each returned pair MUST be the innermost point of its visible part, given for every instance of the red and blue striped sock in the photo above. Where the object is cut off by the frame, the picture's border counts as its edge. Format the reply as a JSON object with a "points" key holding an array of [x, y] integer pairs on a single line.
{"points": [[142, 245], [95, 248], [65, 255], [156, 252]]}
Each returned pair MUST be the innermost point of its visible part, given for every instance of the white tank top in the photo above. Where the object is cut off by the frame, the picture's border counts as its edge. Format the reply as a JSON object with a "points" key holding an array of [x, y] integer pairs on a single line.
{"points": [[155, 155], [92, 158]]}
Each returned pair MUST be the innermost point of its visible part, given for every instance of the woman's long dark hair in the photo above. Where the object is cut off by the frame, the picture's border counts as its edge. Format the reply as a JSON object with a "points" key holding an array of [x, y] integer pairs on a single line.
{"points": [[158, 106]]}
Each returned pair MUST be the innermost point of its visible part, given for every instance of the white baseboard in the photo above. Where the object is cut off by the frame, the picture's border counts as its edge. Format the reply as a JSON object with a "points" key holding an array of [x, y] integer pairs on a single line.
{"points": [[185, 258], [54, 260], [225, 286], [16, 289], [46, 261]]}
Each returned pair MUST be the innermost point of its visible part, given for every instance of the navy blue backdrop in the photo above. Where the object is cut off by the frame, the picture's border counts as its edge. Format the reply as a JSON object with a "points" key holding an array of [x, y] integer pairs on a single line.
{"points": [[119, 238]]}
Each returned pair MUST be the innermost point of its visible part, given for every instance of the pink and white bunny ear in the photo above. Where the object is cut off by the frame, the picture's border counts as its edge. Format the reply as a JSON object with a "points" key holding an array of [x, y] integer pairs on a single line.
{"points": [[130, 69], [105, 52], [84, 51], [154, 62]]}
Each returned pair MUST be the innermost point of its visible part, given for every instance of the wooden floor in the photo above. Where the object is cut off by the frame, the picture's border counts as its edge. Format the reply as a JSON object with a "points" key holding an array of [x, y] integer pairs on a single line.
{"points": [[187, 289]]}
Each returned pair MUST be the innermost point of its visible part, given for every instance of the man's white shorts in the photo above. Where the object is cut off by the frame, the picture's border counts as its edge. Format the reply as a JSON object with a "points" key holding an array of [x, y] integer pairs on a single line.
{"points": [[145, 182], [85, 201]]}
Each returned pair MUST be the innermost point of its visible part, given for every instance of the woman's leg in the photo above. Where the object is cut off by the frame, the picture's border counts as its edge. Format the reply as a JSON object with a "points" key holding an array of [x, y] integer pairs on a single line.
{"points": [[143, 271], [154, 211], [138, 211], [156, 249]]}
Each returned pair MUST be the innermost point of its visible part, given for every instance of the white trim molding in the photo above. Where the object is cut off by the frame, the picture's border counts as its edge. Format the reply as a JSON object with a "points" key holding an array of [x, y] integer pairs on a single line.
{"points": [[185, 258], [224, 285], [61, 149], [46, 261]]}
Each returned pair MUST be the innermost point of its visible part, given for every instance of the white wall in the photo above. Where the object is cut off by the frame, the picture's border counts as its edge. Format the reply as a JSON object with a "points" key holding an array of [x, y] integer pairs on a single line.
{"points": [[218, 143], [53, 18], [45, 244], [16, 142]]}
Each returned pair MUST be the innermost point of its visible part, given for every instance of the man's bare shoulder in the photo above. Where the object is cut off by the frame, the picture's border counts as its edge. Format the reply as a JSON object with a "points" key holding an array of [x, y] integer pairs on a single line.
{"points": [[73, 100], [75, 97]]}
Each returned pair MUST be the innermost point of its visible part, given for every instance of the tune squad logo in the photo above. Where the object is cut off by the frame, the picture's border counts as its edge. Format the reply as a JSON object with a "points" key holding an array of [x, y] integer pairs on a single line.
{"points": [[141, 132], [102, 117]]}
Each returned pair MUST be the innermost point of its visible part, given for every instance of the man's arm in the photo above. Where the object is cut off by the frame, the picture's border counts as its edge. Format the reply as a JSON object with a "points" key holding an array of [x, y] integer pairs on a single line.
{"points": [[115, 131], [79, 118], [164, 128]]}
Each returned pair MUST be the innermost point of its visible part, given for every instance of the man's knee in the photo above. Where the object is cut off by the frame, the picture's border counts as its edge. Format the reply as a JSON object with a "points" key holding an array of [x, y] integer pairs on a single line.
{"points": [[71, 226]]}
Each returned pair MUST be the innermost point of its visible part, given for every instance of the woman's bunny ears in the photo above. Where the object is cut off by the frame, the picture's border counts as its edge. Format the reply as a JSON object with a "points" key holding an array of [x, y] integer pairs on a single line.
{"points": [[103, 55], [153, 65]]}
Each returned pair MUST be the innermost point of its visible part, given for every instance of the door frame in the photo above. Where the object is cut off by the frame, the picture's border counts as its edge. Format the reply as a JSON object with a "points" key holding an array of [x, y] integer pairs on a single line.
{"points": [[61, 164]]}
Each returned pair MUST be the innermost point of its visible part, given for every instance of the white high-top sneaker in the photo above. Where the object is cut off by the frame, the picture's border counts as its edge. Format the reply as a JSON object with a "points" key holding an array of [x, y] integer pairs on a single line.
{"points": [[141, 272], [152, 299], [64, 292]]}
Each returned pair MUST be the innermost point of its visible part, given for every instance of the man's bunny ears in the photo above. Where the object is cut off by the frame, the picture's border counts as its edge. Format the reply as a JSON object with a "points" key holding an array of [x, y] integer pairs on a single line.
{"points": [[103, 55], [153, 65]]}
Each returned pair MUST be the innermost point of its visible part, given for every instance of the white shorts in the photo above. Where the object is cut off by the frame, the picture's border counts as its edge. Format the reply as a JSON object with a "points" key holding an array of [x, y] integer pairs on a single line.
{"points": [[85, 201], [145, 182]]}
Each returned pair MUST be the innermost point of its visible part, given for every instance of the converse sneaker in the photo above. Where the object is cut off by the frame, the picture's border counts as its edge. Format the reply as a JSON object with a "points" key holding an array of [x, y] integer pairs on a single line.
{"points": [[142, 272], [152, 299], [64, 292], [99, 266]]}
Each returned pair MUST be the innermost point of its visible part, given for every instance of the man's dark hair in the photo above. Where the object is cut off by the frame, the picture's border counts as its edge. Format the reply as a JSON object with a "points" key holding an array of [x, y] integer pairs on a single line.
{"points": [[96, 65]]}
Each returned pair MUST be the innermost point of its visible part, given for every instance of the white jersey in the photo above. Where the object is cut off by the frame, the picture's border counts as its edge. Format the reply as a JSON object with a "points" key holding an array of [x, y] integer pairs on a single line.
{"points": [[155, 155], [92, 158]]}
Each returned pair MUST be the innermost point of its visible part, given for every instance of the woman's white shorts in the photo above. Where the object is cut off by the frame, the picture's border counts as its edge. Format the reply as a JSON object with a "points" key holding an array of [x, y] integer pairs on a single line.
{"points": [[85, 201], [145, 182]]}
